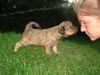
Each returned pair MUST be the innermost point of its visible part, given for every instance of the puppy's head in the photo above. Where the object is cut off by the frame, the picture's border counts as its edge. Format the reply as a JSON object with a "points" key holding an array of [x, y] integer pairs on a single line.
{"points": [[66, 28]]}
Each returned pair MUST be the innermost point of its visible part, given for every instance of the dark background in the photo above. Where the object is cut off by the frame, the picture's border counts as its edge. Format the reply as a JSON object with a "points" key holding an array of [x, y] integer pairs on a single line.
{"points": [[15, 14]]}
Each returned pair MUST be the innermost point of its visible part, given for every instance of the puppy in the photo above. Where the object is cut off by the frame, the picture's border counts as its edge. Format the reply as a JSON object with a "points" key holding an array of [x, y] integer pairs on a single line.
{"points": [[47, 38]]}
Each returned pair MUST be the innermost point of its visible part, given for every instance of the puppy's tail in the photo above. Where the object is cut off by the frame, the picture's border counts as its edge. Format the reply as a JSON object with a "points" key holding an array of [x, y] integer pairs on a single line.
{"points": [[31, 24]]}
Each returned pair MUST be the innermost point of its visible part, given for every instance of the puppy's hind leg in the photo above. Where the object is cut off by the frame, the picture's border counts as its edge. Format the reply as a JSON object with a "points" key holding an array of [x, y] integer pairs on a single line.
{"points": [[55, 49], [20, 44]]}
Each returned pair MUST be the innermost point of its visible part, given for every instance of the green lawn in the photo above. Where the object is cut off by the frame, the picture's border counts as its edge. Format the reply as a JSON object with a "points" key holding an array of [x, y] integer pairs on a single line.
{"points": [[78, 56]]}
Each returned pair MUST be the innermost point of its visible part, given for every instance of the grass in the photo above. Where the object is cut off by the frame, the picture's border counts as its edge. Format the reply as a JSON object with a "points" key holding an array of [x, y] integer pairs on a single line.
{"points": [[78, 56]]}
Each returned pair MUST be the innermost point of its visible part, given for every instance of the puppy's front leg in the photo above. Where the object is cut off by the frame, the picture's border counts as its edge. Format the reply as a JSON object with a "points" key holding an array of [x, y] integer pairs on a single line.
{"points": [[47, 50], [55, 49]]}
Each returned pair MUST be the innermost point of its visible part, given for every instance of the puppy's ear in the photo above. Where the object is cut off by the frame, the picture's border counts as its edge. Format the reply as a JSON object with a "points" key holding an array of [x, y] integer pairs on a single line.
{"points": [[61, 30]]}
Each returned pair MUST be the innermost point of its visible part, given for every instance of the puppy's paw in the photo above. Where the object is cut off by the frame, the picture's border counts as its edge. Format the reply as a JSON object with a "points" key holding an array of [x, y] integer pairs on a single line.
{"points": [[15, 50], [48, 52], [56, 53]]}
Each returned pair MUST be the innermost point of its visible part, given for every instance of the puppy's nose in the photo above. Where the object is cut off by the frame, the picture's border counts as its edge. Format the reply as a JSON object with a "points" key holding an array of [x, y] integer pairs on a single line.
{"points": [[76, 28]]}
